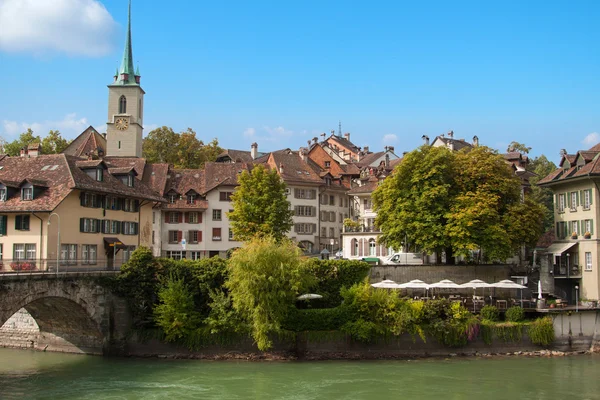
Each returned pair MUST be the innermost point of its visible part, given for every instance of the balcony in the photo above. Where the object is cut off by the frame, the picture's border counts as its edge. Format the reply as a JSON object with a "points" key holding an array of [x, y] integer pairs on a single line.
{"points": [[564, 271], [362, 229]]}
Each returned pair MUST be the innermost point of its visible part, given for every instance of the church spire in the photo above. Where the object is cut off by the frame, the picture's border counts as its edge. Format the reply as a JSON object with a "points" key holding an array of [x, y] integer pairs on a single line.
{"points": [[127, 74]]}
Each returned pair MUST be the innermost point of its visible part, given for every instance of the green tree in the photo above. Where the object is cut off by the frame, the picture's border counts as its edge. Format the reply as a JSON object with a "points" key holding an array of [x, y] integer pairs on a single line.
{"points": [[25, 139], [260, 205], [542, 167], [54, 143], [456, 201], [412, 204], [176, 314], [520, 147], [183, 150], [265, 277]]}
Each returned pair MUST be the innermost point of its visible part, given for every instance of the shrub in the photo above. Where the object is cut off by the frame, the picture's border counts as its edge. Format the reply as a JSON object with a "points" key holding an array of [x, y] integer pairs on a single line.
{"points": [[489, 313], [333, 275], [541, 331], [455, 326], [515, 314], [176, 314]]}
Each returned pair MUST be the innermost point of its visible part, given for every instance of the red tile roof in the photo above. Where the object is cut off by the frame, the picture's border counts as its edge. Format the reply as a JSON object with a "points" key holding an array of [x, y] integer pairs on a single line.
{"points": [[88, 142]]}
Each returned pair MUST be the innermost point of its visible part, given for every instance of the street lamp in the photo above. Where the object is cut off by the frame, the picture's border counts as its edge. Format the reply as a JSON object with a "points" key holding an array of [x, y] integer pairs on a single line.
{"points": [[576, 298], [57, 240]]}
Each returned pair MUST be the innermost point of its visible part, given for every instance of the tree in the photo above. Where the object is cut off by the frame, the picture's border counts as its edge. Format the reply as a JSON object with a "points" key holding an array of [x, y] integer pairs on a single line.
{"points": [[25, 139], [265, 277], [412, 204], [176, 314], [458, 202], [520, 147], [260, 206], [54, 143], [541, 166], [183, 150]]}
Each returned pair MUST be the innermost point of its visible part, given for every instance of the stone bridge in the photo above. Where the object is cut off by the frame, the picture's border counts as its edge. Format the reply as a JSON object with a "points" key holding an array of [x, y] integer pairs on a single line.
{"points": [[74, 313]]}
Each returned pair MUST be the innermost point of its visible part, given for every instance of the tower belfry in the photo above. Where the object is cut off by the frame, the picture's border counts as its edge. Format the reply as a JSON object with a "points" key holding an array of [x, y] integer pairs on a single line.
{"points": [[125, 106]]}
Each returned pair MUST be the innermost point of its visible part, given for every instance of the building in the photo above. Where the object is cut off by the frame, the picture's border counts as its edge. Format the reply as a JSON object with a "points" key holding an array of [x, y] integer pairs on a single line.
{"points": [[571, 261], [102, 212]]}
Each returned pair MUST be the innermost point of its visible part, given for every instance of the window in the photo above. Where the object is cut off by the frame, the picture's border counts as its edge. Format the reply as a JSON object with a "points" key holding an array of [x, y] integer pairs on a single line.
{"points": [[305, 193], [24, 251], [324, 232], [307, 246], [332, 216], [304, 211], [216, 215], [195, 236], [354, 247], [575, 227], [173, 198], [130, 180], [173, 236], [327, 164], [573, 201], [367, 204], [332, 200], [3, 224], [22, 222], [587, 199], [305, 229], [230, 236], [122, 105], [561, 203], [327, 181], [27, 193], [225, 196], [372, 246], [176, 255], [68, 254], [193, 218], [195, 255], [331, 232], [89, 225], [588, 261], [130, 228], [191, 199], [588, 226], [3, 194], [99, 174], [127, 251], [174, 217], [89, 254], [216, 234]]}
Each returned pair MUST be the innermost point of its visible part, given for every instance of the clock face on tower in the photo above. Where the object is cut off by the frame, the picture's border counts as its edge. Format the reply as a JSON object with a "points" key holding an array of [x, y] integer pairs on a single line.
{"points": [[122, 123]]}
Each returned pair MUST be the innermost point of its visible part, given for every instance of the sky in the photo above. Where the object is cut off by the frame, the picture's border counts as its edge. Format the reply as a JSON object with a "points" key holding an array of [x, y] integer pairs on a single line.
{"points": [[280, 72]]}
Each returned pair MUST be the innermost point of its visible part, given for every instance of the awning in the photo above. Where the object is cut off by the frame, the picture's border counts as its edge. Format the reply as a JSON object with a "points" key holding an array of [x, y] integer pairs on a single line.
{"points": [[558, 248], [114, 242]]}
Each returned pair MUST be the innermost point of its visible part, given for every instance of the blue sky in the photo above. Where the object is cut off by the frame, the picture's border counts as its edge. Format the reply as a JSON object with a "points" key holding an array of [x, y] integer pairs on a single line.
{"points": [[280, 72]]}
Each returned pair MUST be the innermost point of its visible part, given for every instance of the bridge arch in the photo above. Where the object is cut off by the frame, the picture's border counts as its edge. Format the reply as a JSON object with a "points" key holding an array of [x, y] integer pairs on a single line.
{"points": [[72, 314]]}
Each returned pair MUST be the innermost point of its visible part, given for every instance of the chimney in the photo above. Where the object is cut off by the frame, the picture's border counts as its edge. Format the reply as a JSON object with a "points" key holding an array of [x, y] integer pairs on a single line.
{"points": [[425, 140], [387, 160], [254, 150], [563, 152], [347, 136], [451, 145], [366, 149], [23, 151], [302, 153], [451, 134], [281, 168], [475, 141], [385, 149], [309, 142], [323, 135], [34, 150], [391, 148], [315, 140]]}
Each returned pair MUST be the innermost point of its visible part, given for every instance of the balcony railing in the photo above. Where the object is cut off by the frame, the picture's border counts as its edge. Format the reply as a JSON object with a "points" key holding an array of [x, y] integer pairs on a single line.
{"points": [[10, 266], [564, 271], [360, 229]]}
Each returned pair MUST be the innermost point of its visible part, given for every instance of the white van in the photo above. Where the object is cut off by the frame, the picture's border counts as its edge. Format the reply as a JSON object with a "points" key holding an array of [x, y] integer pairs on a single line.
{"points": [[403, 259]]}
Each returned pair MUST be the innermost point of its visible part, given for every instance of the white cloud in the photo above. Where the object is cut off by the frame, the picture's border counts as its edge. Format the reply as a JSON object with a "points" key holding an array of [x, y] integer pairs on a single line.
{"points": [[591, 139], [390, 139], [268, 134], [74, 27], [70, 126]]}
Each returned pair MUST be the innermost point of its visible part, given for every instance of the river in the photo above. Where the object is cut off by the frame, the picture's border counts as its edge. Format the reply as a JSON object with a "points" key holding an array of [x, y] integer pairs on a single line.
{"points": [[34, 375]]}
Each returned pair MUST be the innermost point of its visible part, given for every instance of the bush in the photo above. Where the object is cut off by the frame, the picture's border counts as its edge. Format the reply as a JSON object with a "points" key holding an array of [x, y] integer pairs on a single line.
{"points": [[515, 314], [541, 331], [489, 313], [176, 314], [333, 275], [324, 319], [455, 326]]}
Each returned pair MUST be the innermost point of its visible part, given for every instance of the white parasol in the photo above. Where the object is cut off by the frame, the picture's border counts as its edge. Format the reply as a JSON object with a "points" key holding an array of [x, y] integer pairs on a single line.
{"points": [[445, 284], [386, 284], [414, 284], [540, 289], [507, 284], [309, 296]]}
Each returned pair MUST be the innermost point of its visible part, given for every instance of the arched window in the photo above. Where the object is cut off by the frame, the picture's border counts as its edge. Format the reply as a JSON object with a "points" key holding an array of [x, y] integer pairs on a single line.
{"points": [[354, 247], [372, 245], [122, 105]]}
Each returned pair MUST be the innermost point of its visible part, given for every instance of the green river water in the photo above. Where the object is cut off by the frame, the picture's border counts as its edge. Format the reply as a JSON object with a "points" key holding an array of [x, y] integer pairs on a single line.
{"points": [[33, 375]]}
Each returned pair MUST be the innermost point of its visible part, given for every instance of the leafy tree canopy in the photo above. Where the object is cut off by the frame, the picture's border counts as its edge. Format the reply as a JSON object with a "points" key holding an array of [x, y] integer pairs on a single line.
{"points": [[183, 150], [260, 205], [53, 143], [458, 202], [541, 166], [520, 147]]}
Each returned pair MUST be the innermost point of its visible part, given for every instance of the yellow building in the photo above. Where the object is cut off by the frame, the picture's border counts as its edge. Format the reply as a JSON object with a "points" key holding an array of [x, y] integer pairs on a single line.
{"points": [[573, 257]]}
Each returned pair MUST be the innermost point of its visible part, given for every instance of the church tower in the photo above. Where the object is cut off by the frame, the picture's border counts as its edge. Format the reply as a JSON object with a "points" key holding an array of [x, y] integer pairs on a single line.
{"points": [[125, 107]]}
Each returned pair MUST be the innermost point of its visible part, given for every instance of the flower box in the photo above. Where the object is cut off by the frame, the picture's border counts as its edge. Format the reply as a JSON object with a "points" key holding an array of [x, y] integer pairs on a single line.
{"points": [[22, 266], [587, 235]]}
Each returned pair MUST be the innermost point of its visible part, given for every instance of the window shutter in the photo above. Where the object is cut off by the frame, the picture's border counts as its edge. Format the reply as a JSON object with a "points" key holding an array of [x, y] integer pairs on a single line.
{"points": [[3, 224], [590, 196], [18, 222], [81, 199], [81, 224], [180, 217], [200, 217], [360, 248], [578, 199], [119, 204], [136, 228], [314, 228], [25, 222], [377, 250], [122, 224], [118, 226], [96, 225], [187, 217], [556, 202], [105, 222], [313, 194], [569, 199], [592, 227], [566, 229], [136, 205], [179, 236]]}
